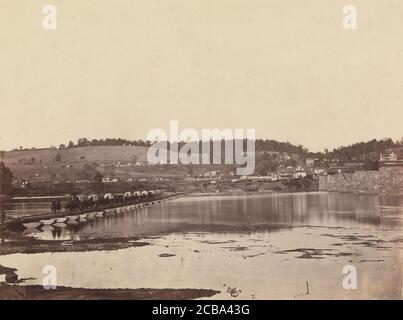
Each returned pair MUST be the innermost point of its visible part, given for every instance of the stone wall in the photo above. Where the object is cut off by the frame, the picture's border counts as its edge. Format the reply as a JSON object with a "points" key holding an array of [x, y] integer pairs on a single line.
{"points": [[388, 180]]}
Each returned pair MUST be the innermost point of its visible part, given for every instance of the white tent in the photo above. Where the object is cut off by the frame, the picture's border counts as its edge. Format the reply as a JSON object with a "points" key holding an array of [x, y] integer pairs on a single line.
{"points": [[108, 196], [128, 194], [94, 197]]}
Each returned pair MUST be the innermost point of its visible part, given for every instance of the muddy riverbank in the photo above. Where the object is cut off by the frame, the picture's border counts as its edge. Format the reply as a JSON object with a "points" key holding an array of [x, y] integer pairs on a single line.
{"points": [[15, 292], [19, 244]]}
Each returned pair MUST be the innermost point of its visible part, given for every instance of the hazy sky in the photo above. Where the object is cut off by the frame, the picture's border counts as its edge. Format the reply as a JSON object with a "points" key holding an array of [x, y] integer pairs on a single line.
{"points": [[120, 68]]}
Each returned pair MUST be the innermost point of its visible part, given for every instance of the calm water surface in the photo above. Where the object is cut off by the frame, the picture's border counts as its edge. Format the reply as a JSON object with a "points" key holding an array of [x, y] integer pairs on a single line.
{"points": [[243, 213], [22, 207]]}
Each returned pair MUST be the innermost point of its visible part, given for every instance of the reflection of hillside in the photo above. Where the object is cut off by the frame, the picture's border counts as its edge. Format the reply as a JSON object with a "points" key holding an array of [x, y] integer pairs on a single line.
{"points": [[295, 209]]}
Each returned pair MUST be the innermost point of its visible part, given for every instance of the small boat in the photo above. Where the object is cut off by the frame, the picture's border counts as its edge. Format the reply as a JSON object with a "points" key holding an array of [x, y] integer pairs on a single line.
{"points": [[47, 228], [61, 220], [33, 225], [83, 216], [60, 225], [48, 222], [72, 218], [99, 214], [91, 215]]}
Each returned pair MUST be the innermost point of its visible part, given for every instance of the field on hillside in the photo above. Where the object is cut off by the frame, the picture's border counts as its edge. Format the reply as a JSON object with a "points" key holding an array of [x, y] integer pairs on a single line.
{"points": [[44, 168], [41, 173], [90, 154]]}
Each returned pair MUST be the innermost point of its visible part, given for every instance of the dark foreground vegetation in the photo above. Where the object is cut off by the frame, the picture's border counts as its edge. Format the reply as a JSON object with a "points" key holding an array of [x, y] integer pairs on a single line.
{"points": [[16, 292]]}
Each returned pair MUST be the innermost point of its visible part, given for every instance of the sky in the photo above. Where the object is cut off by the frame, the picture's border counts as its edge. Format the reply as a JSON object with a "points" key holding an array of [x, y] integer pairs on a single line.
{"points": [[285, 68]]}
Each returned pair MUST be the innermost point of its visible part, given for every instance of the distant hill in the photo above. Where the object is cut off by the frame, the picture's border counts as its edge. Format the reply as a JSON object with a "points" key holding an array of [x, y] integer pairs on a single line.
{"points": [[369, 150], [137, 151], [79, 154]]}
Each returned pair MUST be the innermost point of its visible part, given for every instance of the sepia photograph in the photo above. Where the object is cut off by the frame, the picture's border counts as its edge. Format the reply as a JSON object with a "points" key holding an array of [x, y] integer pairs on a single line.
{"points": [[225, 150]]}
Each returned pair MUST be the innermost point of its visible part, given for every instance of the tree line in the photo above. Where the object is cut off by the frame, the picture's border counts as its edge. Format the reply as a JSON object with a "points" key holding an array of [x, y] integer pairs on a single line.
{"points": [[6, 179], [369, 150], [363, 151]]}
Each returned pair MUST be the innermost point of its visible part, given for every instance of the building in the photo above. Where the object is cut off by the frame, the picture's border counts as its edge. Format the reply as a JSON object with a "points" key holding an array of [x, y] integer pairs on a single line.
{"points": [[300, 173], [269, 177], [391, 157], [345, 168], [285, 173], [390, 161], [320, 171], [211, 174], [310, 162]]}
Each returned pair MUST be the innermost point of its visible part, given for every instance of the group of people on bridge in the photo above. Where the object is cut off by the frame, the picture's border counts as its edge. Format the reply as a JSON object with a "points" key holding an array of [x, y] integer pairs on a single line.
{"points": [[96, 201]]}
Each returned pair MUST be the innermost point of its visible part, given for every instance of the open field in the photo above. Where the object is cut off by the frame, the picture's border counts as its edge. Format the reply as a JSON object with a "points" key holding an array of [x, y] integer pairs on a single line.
{"points": [[90, 154], [41, 166]]}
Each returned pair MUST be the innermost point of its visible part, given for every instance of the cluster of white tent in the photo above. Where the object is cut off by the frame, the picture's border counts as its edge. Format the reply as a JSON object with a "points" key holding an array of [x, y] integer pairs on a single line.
{"points": [[129, 194], [126, 195]]}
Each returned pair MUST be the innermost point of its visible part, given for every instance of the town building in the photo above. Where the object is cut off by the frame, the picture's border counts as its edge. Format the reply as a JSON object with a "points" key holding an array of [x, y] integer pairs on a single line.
{"points": [[285, 173], [300, 173]]}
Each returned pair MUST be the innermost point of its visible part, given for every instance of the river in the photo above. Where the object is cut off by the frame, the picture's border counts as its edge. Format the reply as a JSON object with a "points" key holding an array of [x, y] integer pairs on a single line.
{"points": [[252, 246]]}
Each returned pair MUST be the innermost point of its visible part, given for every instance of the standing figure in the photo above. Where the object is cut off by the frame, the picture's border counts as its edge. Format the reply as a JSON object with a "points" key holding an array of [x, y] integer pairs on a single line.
{"points": [[58, 206], [53, 207]]}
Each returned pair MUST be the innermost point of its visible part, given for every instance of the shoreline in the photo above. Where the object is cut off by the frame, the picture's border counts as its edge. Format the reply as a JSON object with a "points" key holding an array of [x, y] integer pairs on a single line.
{"points": [[37, 292]]}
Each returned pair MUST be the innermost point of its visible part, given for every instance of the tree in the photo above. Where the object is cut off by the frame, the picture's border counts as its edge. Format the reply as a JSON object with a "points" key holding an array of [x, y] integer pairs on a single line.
{"points": [[83, 142], [291, 163], [261, 168], [87, 172], [97, 182], [58, 158], [32, 160], [97, 177], [70, 145], [6, 179]]}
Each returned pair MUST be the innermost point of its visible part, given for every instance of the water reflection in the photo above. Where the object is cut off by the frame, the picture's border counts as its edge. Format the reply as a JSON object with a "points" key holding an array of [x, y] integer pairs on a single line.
{"points": [[17, 208], [221, 213], [2, 221]]}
